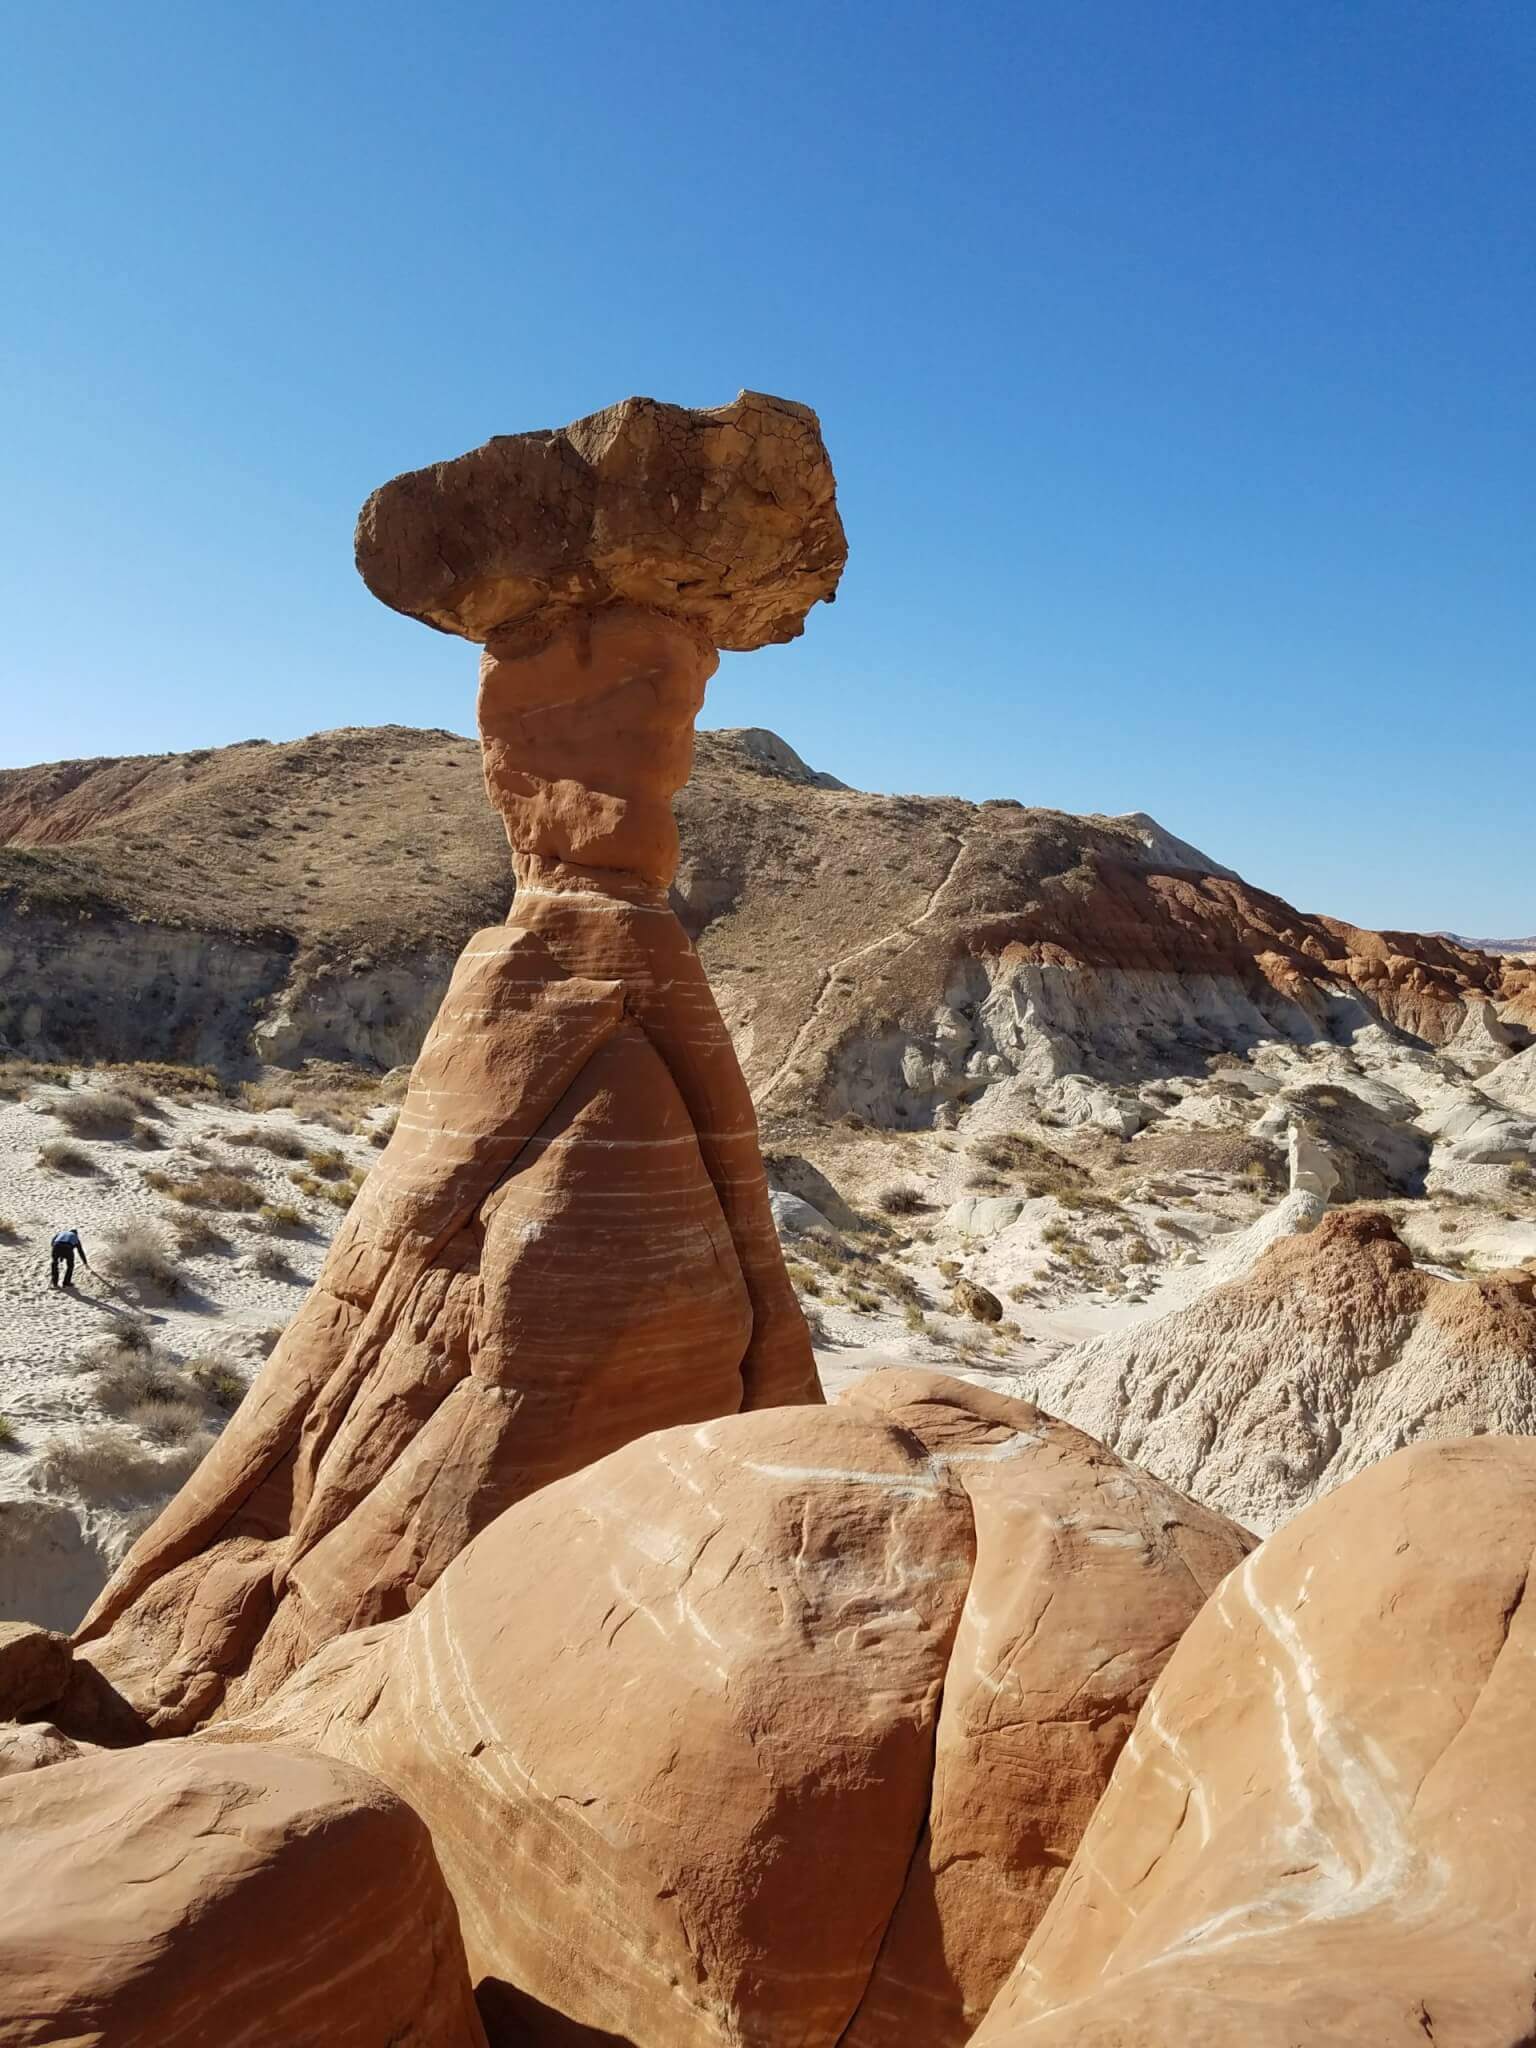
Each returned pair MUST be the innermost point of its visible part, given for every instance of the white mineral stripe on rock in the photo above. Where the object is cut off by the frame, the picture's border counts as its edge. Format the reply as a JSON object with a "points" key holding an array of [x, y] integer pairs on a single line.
{"points": [[907, 1483], [588, 899]]}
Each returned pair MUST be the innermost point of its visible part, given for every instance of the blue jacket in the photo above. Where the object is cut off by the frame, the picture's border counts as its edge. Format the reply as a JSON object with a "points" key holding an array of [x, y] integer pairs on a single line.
{"points": [[69, 1241]]}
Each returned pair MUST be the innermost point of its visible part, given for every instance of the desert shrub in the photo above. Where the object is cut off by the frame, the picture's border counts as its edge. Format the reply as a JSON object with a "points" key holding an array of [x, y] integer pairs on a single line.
{"points": [[19, 1077], [107, 1461], [950, 1268], [1021, 1291], [59, 1155], [282, 1142], [10, 1436], [273, 1263], [166, 1422], [137, 1253], [1138, 1252], [340, 1197], [264, 1095], [164, 1077], [381, 1133], [195, 1235], [282, 1216], [9, 1234], [327, 1164], [97, 1113], [1056, 1233], [141, 1382], [216, 1378], [127, 1339], [901, 1200], [915, 1320], [217, 1187]]}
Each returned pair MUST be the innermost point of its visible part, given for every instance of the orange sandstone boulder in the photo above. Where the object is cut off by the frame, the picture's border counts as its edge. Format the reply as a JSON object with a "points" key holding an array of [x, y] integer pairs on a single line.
{"points": [[1323, 1830], [1086, 1573], [776, 1729], [182, 1896]]}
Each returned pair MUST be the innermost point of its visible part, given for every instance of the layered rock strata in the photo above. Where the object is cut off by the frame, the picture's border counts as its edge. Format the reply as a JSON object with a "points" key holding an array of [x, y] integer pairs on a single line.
{"points": [[1331, 1351], [568, 1240], [881, 1656]]}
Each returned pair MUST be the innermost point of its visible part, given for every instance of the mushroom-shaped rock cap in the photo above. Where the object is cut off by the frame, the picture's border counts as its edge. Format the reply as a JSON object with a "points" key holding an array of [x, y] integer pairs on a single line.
{"points": [[727, 519]]}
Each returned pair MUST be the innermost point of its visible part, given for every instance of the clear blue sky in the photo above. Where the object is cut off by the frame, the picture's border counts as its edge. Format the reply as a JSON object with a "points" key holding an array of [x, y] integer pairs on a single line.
{"points": [[1177, 357]]}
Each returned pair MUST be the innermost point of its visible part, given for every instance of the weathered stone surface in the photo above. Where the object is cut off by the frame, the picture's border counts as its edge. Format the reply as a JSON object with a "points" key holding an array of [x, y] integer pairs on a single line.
{"points": [[1086, 1573], [1322, 1829], [32, 1745], [568, 1241], [673, 1720], [186, 1896], [727, 518], [34, 1668]]}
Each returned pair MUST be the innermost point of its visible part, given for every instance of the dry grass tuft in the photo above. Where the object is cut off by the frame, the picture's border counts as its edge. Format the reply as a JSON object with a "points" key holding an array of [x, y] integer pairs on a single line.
{"points": [[19, 1077], [137, 1253], [98, 1113], [107, 1461], [142, 1382], [901, 1200], [150, 1078], [216, 1187], [282, 1141], [282, 1216], [273, 1263], [10, 1436], [217, 1379], [59, 1155], [166, 1422], [195, 1235]]}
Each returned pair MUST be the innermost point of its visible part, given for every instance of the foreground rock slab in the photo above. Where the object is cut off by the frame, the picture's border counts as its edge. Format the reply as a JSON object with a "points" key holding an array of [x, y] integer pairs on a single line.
{"points": [[186, 1896], [568, 1241], [781, 1728], [1324, 1828]]}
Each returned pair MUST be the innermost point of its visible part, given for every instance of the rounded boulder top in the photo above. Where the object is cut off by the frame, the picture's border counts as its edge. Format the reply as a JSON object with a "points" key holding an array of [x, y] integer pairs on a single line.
{"points": [[725, 519]]}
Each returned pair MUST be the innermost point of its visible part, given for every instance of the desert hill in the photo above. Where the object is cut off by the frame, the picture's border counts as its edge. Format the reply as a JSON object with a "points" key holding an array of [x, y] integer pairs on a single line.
{"points": [[872, 953]]}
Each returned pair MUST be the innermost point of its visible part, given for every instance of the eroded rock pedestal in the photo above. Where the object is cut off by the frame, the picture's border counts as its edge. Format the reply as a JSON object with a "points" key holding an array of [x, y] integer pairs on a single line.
{"points": [[568, 1240]]}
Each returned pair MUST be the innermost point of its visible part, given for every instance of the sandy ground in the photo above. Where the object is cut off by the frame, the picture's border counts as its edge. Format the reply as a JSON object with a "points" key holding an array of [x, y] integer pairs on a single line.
{"points": [[58, 1536]]}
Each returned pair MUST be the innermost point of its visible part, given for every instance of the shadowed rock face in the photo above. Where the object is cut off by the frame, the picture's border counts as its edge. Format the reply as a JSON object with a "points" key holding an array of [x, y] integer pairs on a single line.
{"points": [[777, 1729], [568, 1241]]}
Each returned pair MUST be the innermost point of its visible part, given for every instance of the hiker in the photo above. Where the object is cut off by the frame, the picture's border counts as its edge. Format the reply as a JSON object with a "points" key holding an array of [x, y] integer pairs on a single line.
{"points": [[65, 1245]]}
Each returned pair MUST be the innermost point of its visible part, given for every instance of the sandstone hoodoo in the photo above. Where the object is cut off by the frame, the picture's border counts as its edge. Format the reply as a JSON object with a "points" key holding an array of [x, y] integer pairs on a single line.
{"points": [[568, 1241]]}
